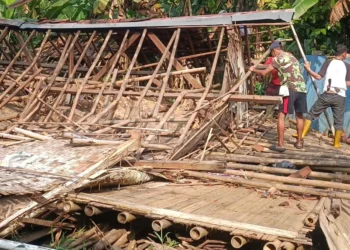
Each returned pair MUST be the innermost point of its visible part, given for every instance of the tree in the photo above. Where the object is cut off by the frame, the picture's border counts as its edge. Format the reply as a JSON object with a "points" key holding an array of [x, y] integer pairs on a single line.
{"points": [[339, 9]]}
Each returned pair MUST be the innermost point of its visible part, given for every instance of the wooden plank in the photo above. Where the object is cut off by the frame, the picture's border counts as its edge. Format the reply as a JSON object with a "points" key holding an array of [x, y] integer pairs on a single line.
{"points": [[161, 47], [209, 166], [180, 217]]}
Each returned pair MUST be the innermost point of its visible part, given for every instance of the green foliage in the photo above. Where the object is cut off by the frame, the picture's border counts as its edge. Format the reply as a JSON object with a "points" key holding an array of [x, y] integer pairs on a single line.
{"points": [[301, 6], [166, 240], [259, 88]]}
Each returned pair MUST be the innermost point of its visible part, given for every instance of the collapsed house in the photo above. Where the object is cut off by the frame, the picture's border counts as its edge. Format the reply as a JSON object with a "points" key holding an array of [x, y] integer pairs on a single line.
{"points": [[112, 129]]}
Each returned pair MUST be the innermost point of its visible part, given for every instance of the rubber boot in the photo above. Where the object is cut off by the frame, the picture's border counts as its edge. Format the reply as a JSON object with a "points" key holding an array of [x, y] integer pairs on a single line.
{"points": [[337, 137], [307, 125]]}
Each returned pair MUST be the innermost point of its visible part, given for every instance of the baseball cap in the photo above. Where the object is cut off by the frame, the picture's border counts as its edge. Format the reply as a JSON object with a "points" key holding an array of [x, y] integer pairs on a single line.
{"points": [[340, 49], [275, 44]]}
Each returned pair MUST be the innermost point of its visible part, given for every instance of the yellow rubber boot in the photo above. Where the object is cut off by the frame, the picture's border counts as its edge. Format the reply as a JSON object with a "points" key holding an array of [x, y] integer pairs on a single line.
{"points": [[307, 125], [337, 137]]}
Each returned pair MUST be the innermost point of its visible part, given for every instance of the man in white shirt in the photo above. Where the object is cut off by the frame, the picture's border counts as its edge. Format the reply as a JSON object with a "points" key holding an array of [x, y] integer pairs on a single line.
{"points": [[337, 77]]}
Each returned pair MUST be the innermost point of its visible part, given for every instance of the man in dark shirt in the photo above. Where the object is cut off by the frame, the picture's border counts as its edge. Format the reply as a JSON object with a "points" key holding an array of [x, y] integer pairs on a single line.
{"points": [[291, 78], [337, 77]]}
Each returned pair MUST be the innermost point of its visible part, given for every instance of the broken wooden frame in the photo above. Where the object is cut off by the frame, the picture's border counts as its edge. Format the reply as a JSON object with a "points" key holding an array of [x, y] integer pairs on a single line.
{"points": [[76, 80]]}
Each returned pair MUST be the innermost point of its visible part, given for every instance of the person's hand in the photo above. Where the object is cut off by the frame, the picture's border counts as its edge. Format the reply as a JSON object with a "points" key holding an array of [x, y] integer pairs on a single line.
{"points": [[307, 65], [252, 68]]}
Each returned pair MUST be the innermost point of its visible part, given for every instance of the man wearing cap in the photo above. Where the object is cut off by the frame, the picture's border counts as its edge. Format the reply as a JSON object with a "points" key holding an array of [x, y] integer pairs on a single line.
{"points": [[337, 77], [294, 91]]}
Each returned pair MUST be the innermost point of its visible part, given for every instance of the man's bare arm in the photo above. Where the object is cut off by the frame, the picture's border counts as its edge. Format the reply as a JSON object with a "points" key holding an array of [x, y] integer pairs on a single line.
{"points": [[262, 72], [307, 66]]}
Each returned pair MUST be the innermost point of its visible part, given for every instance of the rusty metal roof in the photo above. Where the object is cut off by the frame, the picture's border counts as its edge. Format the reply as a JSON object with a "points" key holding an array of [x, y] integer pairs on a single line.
{"points": [[273, 16]]}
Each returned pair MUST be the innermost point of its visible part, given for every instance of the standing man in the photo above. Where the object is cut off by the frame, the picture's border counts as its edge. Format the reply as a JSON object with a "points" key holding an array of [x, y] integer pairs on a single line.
{"points": [[290, 75], [337, 77]]}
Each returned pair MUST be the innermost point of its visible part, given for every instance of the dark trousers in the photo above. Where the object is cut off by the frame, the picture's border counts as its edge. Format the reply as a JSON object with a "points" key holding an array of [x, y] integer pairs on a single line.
{"points": [[335, 102]]}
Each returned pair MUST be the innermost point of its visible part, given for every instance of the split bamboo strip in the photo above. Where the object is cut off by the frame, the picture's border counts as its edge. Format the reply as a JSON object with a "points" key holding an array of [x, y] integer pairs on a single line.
{"points": [[76, 182], [290, 188]]}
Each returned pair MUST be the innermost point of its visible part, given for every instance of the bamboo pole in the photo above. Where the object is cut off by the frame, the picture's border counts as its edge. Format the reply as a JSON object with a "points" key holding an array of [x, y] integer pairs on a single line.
{"points": [[92, 210], [109, 239], [106, 79], [97, 58], [291, 180], [66, 50], [209, 83], [71, 76], [261, 158], [125, 217], [21, 87], [32, 134], [159, 225], [312, 79], [284, 187], [70, 206], [178, 59], [273, 245], [166, 78], [198, 233], [126, 78], [238, 241], [13, 137], [286, 246], [312, 217], [227, 95], [8, 68], [155, 72]]}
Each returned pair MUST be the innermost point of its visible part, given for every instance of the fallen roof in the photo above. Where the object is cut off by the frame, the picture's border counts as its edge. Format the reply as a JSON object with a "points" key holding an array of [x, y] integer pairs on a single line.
{"points": [[273, 16]]}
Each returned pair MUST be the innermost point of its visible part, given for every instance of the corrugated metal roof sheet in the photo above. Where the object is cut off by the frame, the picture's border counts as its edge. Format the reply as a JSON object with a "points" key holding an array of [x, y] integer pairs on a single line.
{"points": [[274, 16]]}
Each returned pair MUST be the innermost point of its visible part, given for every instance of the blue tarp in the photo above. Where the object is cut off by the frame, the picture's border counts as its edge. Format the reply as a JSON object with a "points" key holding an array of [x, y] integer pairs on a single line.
{"points": [[321, 123]]}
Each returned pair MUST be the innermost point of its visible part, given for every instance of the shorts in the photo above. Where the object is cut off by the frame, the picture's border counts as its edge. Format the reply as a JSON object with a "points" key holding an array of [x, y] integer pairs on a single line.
{"points": [[296, 101]]}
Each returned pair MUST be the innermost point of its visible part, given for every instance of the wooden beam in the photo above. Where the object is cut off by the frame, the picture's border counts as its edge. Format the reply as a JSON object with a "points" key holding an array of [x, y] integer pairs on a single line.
{"points": [[161, 47], [208, 166]]}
